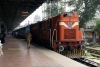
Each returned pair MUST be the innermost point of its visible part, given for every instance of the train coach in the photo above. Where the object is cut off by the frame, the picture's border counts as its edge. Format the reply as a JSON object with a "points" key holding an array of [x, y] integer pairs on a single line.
{"points": [[21, 32], [61, 33]]}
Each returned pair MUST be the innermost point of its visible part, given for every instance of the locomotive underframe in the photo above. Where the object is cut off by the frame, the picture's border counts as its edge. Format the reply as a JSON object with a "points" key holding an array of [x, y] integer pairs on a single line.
{"points": [[71, 49]]}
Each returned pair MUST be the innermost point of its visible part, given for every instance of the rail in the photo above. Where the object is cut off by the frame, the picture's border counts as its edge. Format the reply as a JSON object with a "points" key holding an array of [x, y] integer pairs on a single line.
{"points": [[91, 61]]}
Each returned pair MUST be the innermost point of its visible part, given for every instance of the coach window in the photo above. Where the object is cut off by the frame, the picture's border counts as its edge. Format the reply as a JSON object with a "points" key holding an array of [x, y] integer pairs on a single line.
{"points": [[49, 24], [42, 26]]}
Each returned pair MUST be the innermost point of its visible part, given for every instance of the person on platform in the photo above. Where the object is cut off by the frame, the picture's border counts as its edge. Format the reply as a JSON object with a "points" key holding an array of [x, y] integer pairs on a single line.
{"points": [[2, 37], [28, 38]]}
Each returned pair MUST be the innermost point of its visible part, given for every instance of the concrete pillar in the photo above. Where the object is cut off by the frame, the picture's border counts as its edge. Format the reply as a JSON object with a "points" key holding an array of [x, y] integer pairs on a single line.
{"points": [[93, 37], [0, 26]]}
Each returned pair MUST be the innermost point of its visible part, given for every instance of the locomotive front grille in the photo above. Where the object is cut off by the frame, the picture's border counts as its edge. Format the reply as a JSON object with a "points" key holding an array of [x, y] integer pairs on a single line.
{"points": [[69, 34]]}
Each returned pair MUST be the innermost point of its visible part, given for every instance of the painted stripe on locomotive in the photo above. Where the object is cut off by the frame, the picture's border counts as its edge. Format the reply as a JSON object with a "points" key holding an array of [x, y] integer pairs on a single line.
{"points": [[62, 23]]}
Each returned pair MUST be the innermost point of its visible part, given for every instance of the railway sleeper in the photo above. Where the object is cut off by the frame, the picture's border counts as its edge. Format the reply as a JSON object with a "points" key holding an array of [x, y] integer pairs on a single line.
{"points": [[91, 61], [95, 55]]}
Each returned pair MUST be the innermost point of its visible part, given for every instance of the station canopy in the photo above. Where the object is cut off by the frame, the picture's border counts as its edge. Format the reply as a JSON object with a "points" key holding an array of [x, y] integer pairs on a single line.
{"points": [[13, 12]]}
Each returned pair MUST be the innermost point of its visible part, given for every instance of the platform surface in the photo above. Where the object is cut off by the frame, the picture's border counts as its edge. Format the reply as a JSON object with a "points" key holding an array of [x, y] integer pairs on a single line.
{"points": [[16, 54]]}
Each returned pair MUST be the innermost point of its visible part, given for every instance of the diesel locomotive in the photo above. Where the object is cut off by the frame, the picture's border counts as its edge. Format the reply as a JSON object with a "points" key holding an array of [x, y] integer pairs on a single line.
{"points": [[60, 33]]}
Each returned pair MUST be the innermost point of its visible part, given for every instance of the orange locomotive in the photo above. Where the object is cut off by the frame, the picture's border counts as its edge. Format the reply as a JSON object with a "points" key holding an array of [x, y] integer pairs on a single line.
{"points": [[61, 33]]}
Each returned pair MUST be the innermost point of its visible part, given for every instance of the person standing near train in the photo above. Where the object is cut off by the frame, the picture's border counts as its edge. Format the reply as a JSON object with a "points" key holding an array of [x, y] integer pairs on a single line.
{"points": [[2, 37], [28, 38]]}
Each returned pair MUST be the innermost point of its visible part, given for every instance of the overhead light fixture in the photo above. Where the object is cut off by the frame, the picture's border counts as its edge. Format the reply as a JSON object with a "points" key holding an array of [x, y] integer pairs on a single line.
{"points": [[24, 13]]}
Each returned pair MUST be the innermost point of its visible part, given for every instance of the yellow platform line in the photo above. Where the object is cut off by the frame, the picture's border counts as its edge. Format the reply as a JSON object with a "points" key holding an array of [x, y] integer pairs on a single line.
{"points": [[15, 49], [13, 42]]}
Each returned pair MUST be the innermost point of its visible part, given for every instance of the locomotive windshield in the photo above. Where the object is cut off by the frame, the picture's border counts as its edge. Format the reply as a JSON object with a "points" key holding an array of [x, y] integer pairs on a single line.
{"points": [[64, 15], [67, 14]]}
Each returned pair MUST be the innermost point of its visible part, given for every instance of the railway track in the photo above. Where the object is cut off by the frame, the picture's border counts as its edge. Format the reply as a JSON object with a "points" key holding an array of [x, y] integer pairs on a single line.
{"points": [[88, 62], [94, 52]]}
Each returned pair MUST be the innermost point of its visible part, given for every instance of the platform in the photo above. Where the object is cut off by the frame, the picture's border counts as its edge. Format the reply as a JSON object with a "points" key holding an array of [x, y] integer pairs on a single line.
{"points": [[16, 54]]}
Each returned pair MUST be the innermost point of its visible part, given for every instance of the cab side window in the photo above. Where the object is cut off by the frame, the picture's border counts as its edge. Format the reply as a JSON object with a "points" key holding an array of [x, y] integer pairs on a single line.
{"points": [[43, 26]]}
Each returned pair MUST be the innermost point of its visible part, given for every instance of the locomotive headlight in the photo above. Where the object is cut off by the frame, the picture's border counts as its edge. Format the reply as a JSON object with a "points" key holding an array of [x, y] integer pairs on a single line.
{"points": [[61, 48]]}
